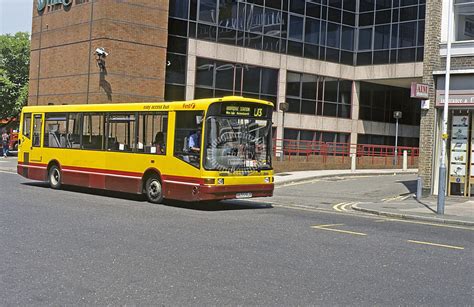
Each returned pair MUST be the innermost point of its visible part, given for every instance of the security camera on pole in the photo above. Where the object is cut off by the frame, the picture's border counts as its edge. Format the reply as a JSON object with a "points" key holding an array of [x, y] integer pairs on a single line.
{"points": [[397, 115], [101, 54]]}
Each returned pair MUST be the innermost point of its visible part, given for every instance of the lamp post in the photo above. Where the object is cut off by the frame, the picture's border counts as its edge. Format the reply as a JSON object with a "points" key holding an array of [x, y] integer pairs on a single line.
{"points": [[397, 115], [444, 136], [284, 106]]}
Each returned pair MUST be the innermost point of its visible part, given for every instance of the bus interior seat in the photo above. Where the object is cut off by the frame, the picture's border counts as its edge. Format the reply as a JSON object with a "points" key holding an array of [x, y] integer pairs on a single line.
{"points": [[53, 140], [63, 141]]}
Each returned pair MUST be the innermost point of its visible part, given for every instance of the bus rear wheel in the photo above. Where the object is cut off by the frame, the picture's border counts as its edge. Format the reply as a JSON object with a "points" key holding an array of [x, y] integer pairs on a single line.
{"points": [[153, 190], [54, 177]]}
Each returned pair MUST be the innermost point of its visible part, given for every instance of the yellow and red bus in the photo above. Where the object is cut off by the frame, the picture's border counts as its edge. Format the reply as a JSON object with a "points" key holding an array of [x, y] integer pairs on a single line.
{"points": [[207, 149]]}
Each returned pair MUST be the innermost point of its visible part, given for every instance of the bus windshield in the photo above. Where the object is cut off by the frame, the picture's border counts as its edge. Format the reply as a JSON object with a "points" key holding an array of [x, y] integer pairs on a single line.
{"points": [[237, 144]]}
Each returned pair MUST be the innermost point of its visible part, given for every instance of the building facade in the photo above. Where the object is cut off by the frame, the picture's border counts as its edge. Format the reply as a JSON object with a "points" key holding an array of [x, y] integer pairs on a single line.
{"points": [[343, 67], [460, 138]]}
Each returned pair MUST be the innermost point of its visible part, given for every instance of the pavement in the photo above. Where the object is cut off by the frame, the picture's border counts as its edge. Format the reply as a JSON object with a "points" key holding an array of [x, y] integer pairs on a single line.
{"points": [[458, 210], [293, 177]]}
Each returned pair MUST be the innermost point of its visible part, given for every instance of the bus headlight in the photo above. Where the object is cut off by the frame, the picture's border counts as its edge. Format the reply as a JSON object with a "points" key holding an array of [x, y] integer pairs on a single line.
{"points": [[267, 180], [220, 180]]}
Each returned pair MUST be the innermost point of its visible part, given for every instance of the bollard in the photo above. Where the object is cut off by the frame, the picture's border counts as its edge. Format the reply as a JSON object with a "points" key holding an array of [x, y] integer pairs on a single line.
{"points": [[405, 160], [419, 188], [353, 162]]}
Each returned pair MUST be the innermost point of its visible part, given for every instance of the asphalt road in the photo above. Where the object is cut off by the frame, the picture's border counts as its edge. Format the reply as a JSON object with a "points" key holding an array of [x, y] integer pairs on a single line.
{"points": [[79, 246]]}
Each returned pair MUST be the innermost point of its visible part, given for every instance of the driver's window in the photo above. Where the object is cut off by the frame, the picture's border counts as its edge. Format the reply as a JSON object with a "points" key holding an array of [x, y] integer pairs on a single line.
{"points": [[37, 123], [188, 136], [26, 125]]}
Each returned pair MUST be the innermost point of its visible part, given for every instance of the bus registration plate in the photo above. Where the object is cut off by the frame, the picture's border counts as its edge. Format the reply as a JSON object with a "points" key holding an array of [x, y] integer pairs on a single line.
{"points": [[243, 195]]}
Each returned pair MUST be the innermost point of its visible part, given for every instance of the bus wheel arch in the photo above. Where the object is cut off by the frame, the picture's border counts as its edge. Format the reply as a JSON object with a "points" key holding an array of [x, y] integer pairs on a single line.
{"points": [[54, 175], [152, 186]]}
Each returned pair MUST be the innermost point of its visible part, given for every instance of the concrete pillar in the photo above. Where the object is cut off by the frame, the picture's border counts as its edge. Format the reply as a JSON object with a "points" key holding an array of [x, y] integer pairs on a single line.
{"points": [[353, 162], [281, 97], [190, 76], [354, 115], [405, 160]]}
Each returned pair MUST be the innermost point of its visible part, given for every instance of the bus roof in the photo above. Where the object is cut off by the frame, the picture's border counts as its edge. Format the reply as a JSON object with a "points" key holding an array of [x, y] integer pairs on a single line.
{"points": [[199, 104]]}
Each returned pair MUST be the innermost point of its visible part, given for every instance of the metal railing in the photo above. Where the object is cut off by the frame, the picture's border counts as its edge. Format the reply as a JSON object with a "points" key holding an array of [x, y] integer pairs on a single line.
{"points": [[365, 153]]}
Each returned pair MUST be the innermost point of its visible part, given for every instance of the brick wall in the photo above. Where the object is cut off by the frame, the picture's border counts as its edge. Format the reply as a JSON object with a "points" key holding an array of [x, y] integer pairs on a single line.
{"points": [[464, 62], [431, 62], [63, 67]]}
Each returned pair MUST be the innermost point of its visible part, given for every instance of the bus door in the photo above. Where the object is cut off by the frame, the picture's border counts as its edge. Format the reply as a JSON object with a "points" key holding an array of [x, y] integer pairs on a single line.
{"points": [[35, 148]]}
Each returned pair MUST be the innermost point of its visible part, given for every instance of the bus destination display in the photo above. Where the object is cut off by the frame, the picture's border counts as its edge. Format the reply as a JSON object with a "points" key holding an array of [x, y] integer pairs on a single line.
{"points": [[244, 110]]}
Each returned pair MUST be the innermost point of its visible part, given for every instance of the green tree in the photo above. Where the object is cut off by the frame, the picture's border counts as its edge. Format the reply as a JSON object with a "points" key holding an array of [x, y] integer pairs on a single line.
{"points": [[14, 69]]}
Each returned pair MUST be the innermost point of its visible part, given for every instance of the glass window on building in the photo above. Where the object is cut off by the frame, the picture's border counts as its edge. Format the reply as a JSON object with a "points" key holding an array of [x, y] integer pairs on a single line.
{"points": [[296, 28], [179, 8], [365, 38], [312, 31], [347, 40], [228, 11], [208, 11], [372, 139], [333, 35], [316, 136], [464, 20], [318, 95], [387, 31], [366, 5], [378, 102], [218, 78]]}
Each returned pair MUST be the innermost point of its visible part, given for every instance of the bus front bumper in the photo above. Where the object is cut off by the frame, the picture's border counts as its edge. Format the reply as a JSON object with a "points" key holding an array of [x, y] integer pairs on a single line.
{"points": [[219, 192]]}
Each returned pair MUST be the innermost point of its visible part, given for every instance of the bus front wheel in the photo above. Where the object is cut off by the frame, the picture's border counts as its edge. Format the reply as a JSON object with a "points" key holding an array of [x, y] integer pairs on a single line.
{"points": [[153, 189], [54, 177]]}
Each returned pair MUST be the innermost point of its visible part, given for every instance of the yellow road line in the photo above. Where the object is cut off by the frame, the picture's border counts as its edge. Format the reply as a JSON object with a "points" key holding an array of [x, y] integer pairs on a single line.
{"points": [[324, 227], [389, 199], [337, 206], [327, 225], [436, 244], [303, 209], [344, 207]]}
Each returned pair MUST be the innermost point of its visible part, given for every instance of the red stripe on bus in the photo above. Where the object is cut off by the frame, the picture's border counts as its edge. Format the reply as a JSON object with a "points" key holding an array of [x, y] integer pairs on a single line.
{"points": [[182, 179]]}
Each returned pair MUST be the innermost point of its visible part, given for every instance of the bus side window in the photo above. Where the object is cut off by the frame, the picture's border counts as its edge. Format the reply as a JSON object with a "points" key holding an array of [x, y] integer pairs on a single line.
{"points": [[73, 136], [55, 130], [152, 133], [26, 125], [121, 132], [188, 135], [93, 131]]}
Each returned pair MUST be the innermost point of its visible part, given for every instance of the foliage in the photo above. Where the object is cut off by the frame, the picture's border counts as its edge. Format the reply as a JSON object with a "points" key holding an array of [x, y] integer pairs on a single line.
{"points": [[14, 69]]}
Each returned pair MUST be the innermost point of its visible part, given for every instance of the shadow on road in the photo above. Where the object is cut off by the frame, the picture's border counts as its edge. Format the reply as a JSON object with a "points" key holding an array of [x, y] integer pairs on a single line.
{"points": [[410, 185], [224, 205], [201, 206]]}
